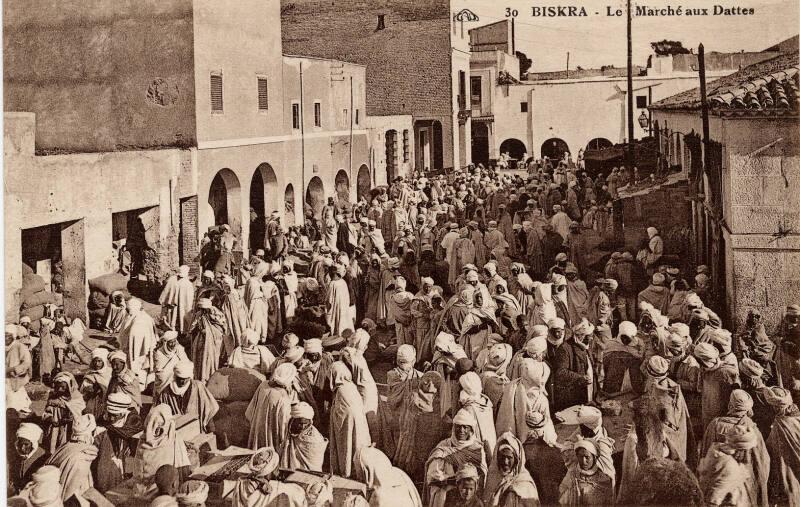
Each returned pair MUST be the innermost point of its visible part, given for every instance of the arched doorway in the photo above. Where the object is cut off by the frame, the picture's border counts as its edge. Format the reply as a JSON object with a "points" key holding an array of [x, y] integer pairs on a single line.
{"points": [[263, 186], [514, 147], [288, 203], [480, 143], [599, 143], [315, 196], [554, 148], [391, 155], [342, 184], [363, 182], [224, 197]]}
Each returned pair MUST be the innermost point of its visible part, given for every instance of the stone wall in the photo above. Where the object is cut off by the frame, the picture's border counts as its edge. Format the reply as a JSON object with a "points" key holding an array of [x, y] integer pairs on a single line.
{"points": [[764, 249], [189, 243]]}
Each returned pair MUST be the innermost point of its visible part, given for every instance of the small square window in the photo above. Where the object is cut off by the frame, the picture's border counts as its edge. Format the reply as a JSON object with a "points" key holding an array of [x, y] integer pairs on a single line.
{"points": [[216, 93], [263, 94], [317, 114], [523, 107], [641, 101], [296, 116]]}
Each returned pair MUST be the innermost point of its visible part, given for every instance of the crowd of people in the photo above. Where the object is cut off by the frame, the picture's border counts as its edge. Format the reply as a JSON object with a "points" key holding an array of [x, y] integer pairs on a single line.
{"points": [[512, 345]]}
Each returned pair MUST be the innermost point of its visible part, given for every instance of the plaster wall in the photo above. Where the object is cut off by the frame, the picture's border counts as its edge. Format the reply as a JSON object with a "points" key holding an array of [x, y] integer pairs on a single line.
{"points": [[101, 76], [44, 190]]}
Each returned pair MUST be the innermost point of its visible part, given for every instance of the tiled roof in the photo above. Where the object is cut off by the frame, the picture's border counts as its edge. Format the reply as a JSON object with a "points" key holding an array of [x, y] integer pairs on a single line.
{"points": [[769, 85], [777, 90]]}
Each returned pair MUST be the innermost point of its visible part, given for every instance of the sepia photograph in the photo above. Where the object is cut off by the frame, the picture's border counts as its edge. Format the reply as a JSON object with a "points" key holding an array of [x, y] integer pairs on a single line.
{"points": [[401, 253]]}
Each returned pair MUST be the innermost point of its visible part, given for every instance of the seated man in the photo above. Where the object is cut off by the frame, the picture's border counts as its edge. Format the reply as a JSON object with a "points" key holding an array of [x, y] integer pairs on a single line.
{"points": [[252, 355], [25, 458], [121, 422], [185, 395]]}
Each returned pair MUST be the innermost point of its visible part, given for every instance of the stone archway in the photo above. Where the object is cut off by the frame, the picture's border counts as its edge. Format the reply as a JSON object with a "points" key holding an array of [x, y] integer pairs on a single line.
{"points": [[288, 205], [363, 182], [514, 147], [599, 143], [342, 185], [315, 196], [263, 186], [554, 148], [264, 190], [225, 199]]}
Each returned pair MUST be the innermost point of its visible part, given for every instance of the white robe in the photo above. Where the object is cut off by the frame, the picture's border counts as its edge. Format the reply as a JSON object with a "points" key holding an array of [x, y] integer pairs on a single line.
{"points": [[177, 300], [290, 299], [138, 340], [338, 306]]}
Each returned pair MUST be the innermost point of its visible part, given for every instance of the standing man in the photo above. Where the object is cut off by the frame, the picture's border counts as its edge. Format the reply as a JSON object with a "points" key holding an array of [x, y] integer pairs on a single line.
{"points": [[138, 340]]}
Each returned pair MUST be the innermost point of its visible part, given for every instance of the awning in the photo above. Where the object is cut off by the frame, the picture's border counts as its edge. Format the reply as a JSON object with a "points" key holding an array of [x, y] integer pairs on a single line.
{"points": [[604, 154], [487, 118]]}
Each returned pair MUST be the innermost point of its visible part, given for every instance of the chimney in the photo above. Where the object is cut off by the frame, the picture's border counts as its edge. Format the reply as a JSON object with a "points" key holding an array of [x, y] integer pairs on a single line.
{"points": [[381, 22]]}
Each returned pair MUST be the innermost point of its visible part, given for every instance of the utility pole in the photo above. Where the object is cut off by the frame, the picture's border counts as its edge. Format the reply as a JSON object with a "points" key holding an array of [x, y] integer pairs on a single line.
{"points": [[704, 246], [701, 60], [567, 64], [630, 160]]}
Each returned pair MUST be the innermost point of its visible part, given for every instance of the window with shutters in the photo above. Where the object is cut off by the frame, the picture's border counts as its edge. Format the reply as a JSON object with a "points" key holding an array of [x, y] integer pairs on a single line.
{"points": [[263, 94], [216, 92], [317, 114], [405, 145], [296, 115]]}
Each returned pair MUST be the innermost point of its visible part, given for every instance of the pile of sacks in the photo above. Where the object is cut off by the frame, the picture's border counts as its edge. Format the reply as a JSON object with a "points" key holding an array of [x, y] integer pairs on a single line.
{"points": [[34, 298], [233, 388]]}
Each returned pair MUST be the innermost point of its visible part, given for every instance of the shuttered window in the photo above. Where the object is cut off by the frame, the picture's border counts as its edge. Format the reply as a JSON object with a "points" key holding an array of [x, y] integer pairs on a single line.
{"points": [[263, 94], [296, 116], [216, 93]]}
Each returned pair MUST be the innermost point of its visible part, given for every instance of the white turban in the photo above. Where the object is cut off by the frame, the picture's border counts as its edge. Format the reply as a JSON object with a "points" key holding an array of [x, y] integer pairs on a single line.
{"points": [[590, 417], [184, 369], [313, 346], [263, 462], [251, 337], [192, 492], [284, 374], [406, 354], [100, 353], [537, 345], [627, 328], [118, 403], [302, 410], [30, 432]]}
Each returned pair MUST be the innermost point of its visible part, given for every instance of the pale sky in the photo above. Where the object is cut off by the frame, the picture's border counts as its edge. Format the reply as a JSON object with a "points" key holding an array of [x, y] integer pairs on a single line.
{"points": [[600, 40]]}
